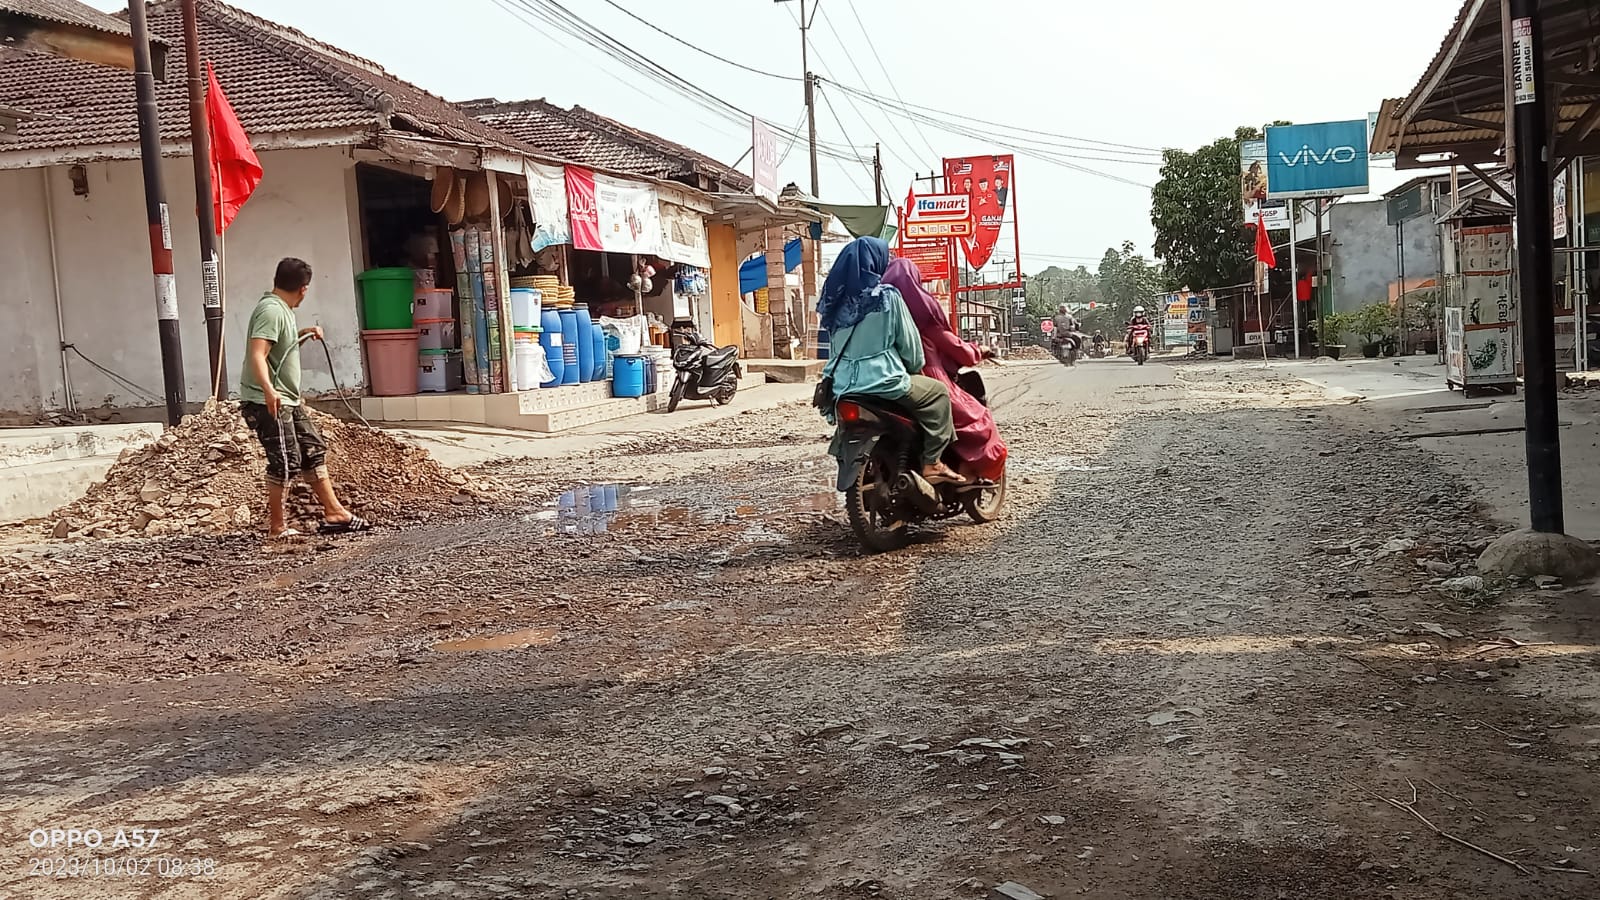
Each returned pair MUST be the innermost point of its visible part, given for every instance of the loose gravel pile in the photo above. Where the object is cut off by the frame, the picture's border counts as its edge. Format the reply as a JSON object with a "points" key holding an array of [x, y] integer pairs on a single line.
{"points": [[206, 476], [1028, 352]]}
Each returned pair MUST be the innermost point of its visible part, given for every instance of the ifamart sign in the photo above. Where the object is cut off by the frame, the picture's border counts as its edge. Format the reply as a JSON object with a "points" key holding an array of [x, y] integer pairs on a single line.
{"points": [[939, 216]]}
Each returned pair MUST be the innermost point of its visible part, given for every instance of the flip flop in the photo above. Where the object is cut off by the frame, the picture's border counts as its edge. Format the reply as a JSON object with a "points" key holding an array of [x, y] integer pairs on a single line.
{"points": [[288, 534], [945, 478], [355, 524]]}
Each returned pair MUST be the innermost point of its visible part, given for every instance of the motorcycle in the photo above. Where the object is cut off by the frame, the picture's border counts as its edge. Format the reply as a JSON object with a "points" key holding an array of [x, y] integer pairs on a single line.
{"points": [[1066, 348], [1140, 351], [705, 371], [880, 447], [1097, 350]]}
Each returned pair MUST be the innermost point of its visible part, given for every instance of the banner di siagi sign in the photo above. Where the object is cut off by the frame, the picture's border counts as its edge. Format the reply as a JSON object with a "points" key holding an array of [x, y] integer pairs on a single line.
{"points": [[1328, 159]]}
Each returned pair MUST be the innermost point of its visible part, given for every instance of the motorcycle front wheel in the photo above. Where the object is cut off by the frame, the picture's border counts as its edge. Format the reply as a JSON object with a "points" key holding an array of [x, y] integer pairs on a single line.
{"points": [[985, 506], [874, 528], [677, 395]]}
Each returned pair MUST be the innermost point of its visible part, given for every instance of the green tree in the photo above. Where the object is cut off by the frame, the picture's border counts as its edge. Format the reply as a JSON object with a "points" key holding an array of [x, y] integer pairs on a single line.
{"points": [[1127, 280], [1046, 291], [1195, 208]]}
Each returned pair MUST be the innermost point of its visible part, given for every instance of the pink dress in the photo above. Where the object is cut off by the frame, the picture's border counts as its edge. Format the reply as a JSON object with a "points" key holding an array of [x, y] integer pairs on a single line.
{"points": [[978, 444]]}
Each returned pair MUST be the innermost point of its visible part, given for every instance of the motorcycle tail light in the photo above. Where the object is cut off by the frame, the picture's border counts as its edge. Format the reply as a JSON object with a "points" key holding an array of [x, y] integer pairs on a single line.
{"points": [[849, 413]]}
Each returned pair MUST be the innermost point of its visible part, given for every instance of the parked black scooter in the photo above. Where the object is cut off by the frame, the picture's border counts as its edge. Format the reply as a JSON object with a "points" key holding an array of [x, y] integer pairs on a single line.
{"points": [[705, 371]]}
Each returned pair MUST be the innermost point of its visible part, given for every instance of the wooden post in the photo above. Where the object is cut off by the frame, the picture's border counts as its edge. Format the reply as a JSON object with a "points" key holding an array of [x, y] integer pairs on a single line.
{"points": [[502, 283]]}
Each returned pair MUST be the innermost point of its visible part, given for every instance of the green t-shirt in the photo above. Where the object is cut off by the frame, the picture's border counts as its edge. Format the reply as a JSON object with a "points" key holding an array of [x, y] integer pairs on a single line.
{"points": [[273, 320]]}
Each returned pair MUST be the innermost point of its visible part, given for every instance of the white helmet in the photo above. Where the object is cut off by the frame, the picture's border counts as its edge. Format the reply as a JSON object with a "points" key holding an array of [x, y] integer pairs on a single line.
{"points": [[1138, 310]]}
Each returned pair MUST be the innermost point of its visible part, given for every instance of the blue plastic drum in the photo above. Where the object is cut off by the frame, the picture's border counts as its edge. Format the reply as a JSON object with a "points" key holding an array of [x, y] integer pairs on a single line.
{"points": [[550, 321], [627, 376]]}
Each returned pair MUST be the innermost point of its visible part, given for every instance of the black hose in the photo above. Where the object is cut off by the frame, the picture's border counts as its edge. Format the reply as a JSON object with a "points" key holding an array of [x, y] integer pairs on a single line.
{"points": [[328, 354]]}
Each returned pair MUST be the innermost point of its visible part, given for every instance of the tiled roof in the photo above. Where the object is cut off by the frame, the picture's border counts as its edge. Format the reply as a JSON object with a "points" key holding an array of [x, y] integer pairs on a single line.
{"points": [[595, 140], [68, 12], [278, 80]]}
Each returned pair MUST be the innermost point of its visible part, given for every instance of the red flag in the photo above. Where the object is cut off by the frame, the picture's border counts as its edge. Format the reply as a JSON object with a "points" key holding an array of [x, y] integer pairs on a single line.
{"points": [[235, 171], [1264, 244]]}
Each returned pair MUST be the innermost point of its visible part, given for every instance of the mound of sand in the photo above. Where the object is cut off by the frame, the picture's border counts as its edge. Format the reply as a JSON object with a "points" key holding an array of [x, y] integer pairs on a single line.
{"points": [[206, 476], [1029, 352]]}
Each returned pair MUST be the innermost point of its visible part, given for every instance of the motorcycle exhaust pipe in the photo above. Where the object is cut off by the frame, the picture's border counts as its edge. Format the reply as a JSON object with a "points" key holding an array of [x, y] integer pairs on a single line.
{"points": [[922, 494]]}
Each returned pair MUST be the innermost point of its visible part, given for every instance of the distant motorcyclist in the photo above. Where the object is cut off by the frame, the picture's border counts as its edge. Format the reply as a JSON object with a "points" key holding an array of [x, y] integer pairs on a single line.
{"points": [[1138, 321], [1065, 321]]}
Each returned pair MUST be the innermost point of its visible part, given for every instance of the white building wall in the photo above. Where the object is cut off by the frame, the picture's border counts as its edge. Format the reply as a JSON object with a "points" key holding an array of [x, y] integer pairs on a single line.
{"points": [[302, 208]]}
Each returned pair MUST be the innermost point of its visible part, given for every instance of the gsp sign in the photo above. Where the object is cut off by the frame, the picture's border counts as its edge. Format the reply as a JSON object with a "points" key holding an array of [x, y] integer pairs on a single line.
{"points": [[939, 216], [1323, 160]]}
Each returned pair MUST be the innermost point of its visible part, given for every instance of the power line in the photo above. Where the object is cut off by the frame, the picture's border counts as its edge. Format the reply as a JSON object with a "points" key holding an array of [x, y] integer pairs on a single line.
{"points": [[850, 58], [932, 153], [871, 172], [692, 46]]}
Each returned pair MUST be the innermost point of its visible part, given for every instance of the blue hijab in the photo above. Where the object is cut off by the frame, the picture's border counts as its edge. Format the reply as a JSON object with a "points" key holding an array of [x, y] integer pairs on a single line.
{"points": [[851, 292]]}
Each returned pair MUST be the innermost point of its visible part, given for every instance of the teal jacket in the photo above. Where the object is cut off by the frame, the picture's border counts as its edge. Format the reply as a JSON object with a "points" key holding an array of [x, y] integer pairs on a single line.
{"points": [[876, 356]]}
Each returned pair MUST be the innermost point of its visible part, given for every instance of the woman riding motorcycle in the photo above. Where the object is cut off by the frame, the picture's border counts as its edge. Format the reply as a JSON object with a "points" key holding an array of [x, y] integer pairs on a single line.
{"points": [[978, 444], [1140, 321], [877, 347]]}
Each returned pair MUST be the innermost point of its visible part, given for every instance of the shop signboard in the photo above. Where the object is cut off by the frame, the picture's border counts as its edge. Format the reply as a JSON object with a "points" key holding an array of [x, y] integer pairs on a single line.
{"points": [[1405, 206], [764, 153], [1253, 188], [987, 181], [931, 256], [547, 195], [1326, 159], [613, 215], [939, 216], [1558, 203], [1176, 326]]}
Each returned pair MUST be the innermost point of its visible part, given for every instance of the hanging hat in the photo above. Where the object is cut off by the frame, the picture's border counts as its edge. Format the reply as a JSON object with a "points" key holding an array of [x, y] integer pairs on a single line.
{"points": [[477, 195], [456, 208], [444, 182], [506, 197]]}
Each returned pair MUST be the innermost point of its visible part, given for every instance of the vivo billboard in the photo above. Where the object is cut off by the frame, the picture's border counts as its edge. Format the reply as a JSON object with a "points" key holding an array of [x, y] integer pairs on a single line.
{"points": [[1328, 159]]}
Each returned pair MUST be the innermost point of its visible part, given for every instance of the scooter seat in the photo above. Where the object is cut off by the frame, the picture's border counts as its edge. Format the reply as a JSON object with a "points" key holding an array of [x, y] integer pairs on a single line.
{"points": [[721, 355]]}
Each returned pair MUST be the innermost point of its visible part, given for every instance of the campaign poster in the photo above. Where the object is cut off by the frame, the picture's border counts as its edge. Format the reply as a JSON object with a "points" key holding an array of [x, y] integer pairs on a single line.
{"points": [[987, 181]]}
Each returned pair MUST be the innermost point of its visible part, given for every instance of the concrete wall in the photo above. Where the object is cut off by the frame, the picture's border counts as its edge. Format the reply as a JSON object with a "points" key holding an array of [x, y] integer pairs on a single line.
{"points": [[304, 207], [1363, 253]]}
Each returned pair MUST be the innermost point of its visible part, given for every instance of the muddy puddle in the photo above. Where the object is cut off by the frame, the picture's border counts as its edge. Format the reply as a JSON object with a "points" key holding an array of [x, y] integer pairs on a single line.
{"points": [[522, 639]]}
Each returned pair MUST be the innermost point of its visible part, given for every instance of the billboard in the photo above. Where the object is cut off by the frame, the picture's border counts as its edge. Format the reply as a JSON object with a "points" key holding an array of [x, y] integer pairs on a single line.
{"points": [[987, 181], [764, 154], [931, 257], [1253, 188], [939, 216], [1328, 159]]}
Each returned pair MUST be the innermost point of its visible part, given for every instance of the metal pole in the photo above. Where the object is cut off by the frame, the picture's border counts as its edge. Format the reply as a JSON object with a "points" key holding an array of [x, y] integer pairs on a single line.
{"points": [[1400, 246], [1294, 272], [877, 173], [200, 139], [55, 286], [160, 222], [811, 97], [1525, 71], [1317, 284]]}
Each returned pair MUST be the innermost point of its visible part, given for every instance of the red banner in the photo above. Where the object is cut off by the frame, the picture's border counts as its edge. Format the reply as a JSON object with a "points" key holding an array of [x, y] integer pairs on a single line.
{"points": [[932, 257], [582, 209], [987, 180]]}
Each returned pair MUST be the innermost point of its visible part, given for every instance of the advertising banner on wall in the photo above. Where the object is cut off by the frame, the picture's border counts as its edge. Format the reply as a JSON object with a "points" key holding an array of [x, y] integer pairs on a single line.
{"points": [[1328, 159], [611, 214], [547, 194], [1253, 188], [987, 181], [931, 257], [683, 236]]}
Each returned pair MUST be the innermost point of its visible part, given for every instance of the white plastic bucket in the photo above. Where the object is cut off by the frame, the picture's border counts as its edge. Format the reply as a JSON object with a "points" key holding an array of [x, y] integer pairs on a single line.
{"points": [[531, 369], [525, 303]]}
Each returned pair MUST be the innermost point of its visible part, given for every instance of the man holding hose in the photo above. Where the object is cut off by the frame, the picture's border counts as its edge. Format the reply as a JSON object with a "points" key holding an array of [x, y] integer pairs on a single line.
{"points": [[269, 391]]}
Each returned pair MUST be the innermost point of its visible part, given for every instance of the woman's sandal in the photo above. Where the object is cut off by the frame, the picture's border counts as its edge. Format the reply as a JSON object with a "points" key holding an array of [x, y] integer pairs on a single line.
{"points": [[355, 524]]}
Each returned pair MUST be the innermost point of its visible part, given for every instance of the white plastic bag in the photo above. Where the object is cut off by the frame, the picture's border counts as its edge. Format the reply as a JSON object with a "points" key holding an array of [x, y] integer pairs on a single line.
{"points": [[629, 332]]}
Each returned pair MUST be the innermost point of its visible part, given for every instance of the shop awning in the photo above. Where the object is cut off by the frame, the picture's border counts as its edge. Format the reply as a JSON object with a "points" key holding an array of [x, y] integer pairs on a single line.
{"points": [[1456, 112], [753, 272], [860, 221]]}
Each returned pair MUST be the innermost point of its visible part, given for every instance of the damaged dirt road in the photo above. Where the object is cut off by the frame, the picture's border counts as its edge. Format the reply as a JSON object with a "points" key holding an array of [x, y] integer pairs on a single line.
{"points": [[1224, 644]]}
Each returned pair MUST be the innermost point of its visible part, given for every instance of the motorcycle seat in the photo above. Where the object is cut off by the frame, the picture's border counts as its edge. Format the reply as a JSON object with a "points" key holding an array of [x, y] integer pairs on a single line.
{"points": [[721, 355]]}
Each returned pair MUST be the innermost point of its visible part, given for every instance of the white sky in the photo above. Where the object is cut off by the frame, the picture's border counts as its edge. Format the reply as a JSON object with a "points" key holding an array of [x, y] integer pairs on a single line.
{"points": [[1150, 73]]}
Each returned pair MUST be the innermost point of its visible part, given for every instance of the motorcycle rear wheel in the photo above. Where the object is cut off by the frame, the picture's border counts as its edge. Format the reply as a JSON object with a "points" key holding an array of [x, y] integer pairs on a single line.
{"points": [[986, 505], [869, 525], [725, 396]]}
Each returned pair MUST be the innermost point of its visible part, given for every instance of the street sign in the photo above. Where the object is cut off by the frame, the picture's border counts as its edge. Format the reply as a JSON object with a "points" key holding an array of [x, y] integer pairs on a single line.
{"points": [[1047, 326], [939, 216], [1405, 206]]}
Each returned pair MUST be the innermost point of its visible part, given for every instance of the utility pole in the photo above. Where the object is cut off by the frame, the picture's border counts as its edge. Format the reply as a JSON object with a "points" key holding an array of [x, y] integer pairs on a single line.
{"points": [[811, 87], [200, 140], [877, 173], [1525, 75], [155, 202]]}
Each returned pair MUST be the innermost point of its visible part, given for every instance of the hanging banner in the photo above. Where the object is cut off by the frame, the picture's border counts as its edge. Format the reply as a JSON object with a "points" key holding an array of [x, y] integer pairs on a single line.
{"points": [[683, 236], [547, 195], [611, 214], [585, 215], [987, 181], [1253, 188], [764, 153]]}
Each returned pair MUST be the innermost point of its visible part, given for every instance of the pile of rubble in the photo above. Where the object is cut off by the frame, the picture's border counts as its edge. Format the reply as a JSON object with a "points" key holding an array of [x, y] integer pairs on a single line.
{"points": [[206, 476], [1029, 352]]}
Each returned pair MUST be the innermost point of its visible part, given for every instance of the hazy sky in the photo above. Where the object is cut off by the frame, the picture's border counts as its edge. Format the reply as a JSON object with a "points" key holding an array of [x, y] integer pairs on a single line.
{"points": [[1142, 73]]}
